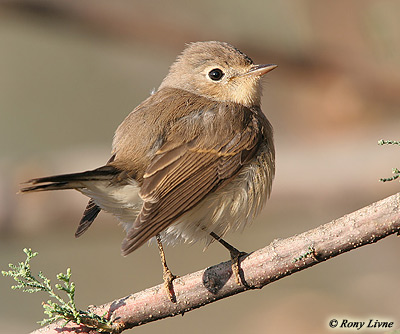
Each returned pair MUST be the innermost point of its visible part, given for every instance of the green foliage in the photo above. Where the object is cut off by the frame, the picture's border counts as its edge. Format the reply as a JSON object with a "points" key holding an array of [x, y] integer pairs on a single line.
{"points": [[395, 171], [57, 308]]}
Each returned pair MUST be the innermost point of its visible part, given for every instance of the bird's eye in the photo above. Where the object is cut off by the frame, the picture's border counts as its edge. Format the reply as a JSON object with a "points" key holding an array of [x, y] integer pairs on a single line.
{"points": [[216, 74]]}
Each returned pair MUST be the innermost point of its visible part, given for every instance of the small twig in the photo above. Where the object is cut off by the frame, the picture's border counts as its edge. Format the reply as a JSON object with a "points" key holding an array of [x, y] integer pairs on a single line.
{"points": [[388, 142], [395, 171], [281, 258]]}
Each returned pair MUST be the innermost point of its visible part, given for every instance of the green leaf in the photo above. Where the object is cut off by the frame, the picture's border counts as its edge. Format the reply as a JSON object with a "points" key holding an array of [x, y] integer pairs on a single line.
{"points": [[59, 308]]}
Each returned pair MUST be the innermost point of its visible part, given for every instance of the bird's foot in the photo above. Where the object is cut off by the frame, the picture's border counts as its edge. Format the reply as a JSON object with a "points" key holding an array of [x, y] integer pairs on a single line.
{"points": [[168, 278], [235, 255]]}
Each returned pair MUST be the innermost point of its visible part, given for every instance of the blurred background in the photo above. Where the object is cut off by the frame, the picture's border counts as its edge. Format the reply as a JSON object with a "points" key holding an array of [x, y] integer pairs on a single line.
{"points": [[72, 70]]}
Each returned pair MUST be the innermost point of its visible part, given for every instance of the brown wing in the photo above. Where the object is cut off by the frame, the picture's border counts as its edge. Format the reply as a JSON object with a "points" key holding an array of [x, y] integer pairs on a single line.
{"points": [[180, 176]]}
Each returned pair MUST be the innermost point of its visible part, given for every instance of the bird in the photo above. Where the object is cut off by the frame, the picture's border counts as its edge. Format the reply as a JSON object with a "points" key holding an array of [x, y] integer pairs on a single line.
{"points": [[193, 161]]}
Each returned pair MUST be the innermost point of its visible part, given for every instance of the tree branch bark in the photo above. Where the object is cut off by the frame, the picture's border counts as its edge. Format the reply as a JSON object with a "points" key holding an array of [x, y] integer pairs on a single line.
{"points": [[257, 269]]}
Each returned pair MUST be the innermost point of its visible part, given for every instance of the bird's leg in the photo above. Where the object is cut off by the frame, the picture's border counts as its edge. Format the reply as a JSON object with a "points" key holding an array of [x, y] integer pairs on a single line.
{"points": [[235, 254], [167, 274]]}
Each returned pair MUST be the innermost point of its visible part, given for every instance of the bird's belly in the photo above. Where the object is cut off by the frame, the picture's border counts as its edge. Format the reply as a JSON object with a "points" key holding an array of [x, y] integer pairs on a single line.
{"points": [[230, 207]]}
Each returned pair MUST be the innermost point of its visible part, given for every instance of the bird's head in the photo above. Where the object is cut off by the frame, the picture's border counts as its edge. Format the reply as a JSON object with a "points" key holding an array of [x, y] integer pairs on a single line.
{"points": [[217, 71]]}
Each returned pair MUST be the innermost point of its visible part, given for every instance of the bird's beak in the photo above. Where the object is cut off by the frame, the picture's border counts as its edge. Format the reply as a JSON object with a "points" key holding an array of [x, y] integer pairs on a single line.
{"points": [[259, 70]]}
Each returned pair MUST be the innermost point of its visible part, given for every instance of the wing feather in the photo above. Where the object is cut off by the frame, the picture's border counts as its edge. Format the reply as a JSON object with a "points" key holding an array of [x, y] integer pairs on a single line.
{"points": [[156, 216], [182, 174]]}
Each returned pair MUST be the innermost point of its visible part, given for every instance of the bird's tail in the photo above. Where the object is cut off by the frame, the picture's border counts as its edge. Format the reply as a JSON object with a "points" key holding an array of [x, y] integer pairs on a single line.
{"points": [[71, 181]]}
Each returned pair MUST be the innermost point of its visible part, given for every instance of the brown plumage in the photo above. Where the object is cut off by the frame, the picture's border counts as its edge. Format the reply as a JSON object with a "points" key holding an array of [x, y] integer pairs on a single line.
{"points": [[195, 157]]}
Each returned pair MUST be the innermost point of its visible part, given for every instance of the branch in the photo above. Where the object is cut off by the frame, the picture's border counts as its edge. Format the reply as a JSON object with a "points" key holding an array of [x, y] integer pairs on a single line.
{"points": [[281, 258]]}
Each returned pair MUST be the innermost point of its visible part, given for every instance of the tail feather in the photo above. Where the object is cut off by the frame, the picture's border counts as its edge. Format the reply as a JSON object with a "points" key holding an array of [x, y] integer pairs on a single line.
{"points": [[90, 214], [71, 181]]}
